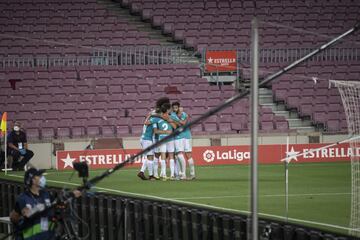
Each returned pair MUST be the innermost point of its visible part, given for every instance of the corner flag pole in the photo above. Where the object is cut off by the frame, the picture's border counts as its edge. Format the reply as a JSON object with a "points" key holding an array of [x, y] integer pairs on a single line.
{"points": [[5, 149], [3, 128], [287, 182]]}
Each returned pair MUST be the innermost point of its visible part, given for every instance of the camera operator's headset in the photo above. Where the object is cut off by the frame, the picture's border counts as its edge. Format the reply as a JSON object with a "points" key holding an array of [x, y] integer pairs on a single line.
{"points": [[29, 175], [28, 180]]}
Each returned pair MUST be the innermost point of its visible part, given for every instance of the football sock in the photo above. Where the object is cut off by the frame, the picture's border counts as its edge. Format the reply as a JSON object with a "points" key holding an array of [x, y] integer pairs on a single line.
{"points": [[143, 166], [150, 167], [183, 164], [156, 167], [192, 167], [177, 167], [172, 168], [163, 168]]}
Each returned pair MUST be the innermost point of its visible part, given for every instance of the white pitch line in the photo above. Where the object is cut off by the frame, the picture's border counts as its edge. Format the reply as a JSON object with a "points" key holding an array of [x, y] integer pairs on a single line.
{"points": [[194, 198], [267, 195], [229, 209], [308, 222], [205, 205], [54, 171]]}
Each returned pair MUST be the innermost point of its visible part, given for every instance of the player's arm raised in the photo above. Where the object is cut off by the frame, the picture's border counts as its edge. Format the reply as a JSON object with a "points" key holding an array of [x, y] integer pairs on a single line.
{"points": [[184, 119], [147, 121]]}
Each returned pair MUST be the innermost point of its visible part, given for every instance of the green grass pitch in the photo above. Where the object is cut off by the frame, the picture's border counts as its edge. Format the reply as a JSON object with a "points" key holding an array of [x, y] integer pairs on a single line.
{"points": [[319, 193]]}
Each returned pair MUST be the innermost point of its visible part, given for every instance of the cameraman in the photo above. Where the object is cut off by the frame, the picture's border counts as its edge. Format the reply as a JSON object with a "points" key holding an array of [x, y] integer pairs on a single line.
{"points": [[33, 200]]}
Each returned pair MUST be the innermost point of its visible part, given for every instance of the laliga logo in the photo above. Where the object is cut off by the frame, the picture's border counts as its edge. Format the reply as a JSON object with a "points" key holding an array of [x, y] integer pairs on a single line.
{"points": [[209, 156]]}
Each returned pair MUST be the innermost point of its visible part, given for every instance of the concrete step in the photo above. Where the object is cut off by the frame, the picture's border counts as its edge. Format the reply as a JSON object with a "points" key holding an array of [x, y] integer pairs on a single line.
{"points": [[265, 91], [286, 114], [136, 21], [304, 129], [265, 99], [220, 78], [274, 106], [265, 95], [148, 30], [294, 122], [162, 38], [141, 25], [192, 61], [297, 122]]}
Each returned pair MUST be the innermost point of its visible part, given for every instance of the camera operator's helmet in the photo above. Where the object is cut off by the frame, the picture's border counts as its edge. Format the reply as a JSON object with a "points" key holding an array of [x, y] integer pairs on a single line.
{"points": [[30, 174]]}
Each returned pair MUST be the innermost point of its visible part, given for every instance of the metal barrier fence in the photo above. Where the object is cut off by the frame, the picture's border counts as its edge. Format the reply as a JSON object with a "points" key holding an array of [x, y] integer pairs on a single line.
{"points": [[292, 54], [141, 55], [145, 55], [282, 55], [119, 217]]}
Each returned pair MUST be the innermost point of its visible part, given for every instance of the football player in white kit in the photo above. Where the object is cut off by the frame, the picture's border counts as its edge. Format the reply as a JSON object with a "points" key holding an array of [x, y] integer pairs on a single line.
{"points": [[165, 128], [146, 140], [183, 141]]}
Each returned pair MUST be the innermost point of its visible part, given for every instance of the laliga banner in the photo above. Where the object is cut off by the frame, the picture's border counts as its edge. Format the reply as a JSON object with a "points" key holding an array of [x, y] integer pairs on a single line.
{"points": [[270, 154], [218, 155], [220, 61]]}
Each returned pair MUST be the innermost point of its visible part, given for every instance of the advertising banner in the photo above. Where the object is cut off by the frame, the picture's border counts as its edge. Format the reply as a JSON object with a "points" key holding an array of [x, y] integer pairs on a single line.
{"points": [[215, 155], [220, 61]]}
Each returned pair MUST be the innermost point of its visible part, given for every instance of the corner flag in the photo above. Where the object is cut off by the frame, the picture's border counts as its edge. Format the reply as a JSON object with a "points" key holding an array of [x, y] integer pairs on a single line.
{"points": [[3, 124], [3, 130]]}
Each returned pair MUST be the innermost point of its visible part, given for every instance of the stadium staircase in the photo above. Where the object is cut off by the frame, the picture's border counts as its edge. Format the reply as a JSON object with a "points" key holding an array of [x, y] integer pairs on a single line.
{"points": [[279, 109], [186, 56]]}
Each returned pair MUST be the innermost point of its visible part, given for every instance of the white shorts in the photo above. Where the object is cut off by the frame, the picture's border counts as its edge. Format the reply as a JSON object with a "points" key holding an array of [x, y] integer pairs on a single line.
{"points": [[156, 150], [179, 145], [167, 147], [187, 145], [145, 144]]}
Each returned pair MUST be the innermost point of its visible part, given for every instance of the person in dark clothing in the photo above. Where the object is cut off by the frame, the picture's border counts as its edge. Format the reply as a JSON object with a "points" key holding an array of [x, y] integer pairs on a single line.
{"points": [[2, 158], [18, 148], [34, 199], [28, 217], [2, 155]]}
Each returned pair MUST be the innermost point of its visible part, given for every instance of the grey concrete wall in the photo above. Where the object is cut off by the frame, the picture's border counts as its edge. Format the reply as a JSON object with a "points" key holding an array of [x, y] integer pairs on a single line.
{"points": [[43, 156], [131, 143], [72, 146], [201, 141], [264, 139], [333, 138]]}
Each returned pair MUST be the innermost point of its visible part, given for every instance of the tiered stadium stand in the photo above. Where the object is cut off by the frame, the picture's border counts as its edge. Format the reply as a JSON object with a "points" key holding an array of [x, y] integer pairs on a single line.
{"points": [[319, 101], [63, 28], [105, 101], [113, 101], [226, 24]]}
